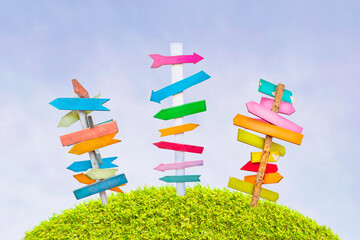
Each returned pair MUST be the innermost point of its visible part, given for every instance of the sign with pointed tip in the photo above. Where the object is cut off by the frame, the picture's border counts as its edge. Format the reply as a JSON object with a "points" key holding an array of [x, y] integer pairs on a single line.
{"points": [[82, 178], [268, 178], [89, 133], [178, 87], [181, 178], [98, 173], [80, 104], [79, 89], [160, 60], [178, 129], [273, 156], [285, 108], [178, 165], [246, 187], [82, 166], [72, 117], [92, 144], [179, 147], [268, 129], [258, 142], [272, 117], [100, 186], [254, 167], [269, 89], [181, 110]]}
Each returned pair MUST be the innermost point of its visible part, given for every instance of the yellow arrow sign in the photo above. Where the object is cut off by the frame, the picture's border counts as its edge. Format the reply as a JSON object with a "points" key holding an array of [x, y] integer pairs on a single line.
{"points": [[178, 129], [268, 178], [93, 144], [273, 156], [98, 173], [82, 178]]}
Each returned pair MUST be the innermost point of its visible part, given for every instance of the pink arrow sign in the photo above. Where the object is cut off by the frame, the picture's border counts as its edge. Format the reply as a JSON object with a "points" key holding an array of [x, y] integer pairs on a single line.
{"points": [[160, 60], [272, 117], [171, 166], [254, 167], [285, 108], [179, 147]]}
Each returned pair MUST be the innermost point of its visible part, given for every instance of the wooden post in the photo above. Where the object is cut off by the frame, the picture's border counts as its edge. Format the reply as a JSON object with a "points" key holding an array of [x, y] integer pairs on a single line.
{"points": [[178, 99], [266, 150]]}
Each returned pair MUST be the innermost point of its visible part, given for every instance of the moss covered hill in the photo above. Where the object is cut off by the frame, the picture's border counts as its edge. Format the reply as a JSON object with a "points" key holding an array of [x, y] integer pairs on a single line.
{"points": [[158, 213]]}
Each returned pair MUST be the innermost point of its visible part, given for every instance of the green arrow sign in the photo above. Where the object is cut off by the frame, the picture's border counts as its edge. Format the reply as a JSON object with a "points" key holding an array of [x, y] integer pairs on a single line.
{"points": [[181, 110]]}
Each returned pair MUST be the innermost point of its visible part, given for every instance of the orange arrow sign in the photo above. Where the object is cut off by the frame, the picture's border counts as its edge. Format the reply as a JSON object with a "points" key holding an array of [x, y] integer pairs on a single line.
{"points": [[268, 178], [82, 178], [93, 144], [178, 129]]}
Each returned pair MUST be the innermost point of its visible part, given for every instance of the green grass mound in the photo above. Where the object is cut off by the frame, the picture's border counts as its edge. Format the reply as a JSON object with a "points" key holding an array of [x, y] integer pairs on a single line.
{"points": [[158, 213]]}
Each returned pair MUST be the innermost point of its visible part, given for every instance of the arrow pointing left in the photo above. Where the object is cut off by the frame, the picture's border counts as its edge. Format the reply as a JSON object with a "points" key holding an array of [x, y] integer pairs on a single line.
{"points": [[80, 104], [82, 166]]}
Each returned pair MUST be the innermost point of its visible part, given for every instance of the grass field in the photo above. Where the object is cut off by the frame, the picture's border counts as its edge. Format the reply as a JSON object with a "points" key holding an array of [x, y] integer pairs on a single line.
{"points": [[158, 213]]}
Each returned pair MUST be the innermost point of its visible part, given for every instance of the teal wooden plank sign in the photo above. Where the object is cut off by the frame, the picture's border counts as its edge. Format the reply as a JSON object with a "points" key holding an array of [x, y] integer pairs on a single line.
{"points": [[181, 110], [100, 186], [269, 89], [80, 104], [181, 178]]}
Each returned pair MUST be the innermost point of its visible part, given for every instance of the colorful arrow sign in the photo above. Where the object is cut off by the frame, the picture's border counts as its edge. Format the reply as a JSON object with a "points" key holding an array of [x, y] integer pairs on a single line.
{"points": [[82, 178], [178, 87], [285, 108], [246, 187], [254, 167], [160, 60], [179, 165], [272, 117], [82, 166], [268, 178], [178, 129], [97, 173], [83, 104], [268, 129], [181, 178], [179, 147], [72, 117], [89, 133], [273, 157], [256, 141], [181, 110], [79, 89], [100, 186], [269, 89], [92, 144]]}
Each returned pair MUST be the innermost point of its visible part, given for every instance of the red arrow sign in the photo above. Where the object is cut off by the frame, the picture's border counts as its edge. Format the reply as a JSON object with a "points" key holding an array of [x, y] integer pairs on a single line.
{"points": [[253, 167], [179, 147], [160, 60]]}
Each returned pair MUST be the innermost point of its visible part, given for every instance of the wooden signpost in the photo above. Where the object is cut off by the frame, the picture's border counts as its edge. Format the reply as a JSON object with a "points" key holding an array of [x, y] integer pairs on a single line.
{"points": [[272, 125], [99, 174], [177, 112]]}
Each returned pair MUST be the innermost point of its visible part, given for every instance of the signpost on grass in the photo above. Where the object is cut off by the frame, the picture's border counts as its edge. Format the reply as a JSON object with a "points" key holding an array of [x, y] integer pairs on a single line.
{"points": [[272, 125], [99, 176], [177, 112]]}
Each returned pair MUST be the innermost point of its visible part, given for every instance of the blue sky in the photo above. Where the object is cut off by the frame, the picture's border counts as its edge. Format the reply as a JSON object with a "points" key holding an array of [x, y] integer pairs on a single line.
{"points": [[311, 47]]}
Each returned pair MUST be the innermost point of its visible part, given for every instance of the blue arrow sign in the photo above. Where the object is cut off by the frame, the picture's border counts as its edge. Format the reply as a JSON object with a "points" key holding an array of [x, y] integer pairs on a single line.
{"points": [[100, 186], [82, 104], [178, 87], [269, 88], [82, 166], [181, 178]]}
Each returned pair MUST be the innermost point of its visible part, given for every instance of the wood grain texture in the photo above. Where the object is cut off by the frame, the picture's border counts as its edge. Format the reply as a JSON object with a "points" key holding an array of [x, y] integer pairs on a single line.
{"points": [[246, 187], [268, 129], [258, 142], [178, 129], [89, 133], [273, 156], [79, 89], [268, 178], [92, 144]]}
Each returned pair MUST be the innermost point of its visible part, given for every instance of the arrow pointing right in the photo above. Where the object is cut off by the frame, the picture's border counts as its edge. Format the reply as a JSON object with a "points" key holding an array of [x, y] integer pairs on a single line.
{"points": [[160, 60]]}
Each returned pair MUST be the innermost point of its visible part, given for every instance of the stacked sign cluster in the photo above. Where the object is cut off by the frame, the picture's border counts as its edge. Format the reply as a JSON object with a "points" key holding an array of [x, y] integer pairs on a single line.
{"points": [[272, 125], [99, 172], [177, 112]]}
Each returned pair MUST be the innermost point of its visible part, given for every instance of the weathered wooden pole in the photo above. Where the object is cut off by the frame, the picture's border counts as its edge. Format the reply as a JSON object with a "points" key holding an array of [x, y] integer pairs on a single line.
{"points": [[266, 150]]}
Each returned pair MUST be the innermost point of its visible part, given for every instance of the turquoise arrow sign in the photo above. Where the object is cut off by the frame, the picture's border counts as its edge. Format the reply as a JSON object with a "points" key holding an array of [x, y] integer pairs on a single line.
{"points": [[82, 104], [269, 88], [82, 166], [100, 186], [178, 87], [181, 178]]}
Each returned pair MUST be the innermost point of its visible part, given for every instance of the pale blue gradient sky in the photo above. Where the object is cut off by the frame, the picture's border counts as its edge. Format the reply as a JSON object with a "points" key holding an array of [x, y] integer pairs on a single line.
{"points": [[311, 47]]}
